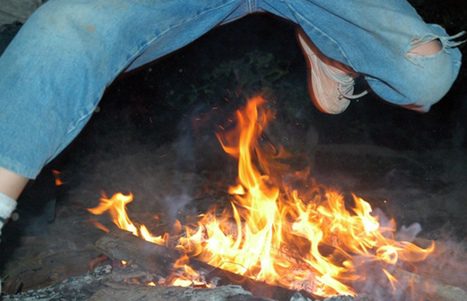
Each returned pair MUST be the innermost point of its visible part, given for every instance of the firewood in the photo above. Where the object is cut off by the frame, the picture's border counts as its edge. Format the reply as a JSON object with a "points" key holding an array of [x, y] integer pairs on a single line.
{"points": [[132, 292], [124, 246], [121, 245]]}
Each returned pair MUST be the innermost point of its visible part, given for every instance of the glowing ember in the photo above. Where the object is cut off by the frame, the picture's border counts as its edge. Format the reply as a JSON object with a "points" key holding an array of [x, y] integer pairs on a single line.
{"points": [[300, 239], [58, 180]]}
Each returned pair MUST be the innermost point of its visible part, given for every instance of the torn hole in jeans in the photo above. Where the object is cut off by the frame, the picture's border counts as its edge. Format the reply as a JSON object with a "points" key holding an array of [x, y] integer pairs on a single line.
{"points": [[422, 48], [431, 45]]}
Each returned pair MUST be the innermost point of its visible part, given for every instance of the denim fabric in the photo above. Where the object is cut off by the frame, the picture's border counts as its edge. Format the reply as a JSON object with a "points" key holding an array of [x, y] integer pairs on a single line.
{"points": [[56, 69]]}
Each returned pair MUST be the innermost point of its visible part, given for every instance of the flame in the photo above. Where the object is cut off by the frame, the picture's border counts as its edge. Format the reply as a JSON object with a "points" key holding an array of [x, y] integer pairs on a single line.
{"points": [[281, 236], [99, 226], [116, 206], [58, 180], [305, 239], [392, 280], [185, 276]]}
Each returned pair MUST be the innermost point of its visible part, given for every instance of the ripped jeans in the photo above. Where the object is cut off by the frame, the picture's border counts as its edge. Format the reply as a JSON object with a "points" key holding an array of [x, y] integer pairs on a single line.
{"points": [[55, 71]]}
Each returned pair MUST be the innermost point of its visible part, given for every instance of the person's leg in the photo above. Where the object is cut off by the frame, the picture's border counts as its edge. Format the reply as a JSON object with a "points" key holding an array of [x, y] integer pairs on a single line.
{"points": [[11, 185], [428, 48], [423, 49], [330, 83], [386, 41], [56, 69]]}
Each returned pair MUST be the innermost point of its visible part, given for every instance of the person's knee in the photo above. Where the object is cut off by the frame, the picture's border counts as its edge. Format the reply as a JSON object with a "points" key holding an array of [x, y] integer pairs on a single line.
{"points": [[428, 48], [429, 75]]}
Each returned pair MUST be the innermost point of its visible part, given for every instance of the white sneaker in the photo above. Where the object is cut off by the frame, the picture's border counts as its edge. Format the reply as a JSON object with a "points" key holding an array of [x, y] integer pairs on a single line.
{"points": [[330, 88]]}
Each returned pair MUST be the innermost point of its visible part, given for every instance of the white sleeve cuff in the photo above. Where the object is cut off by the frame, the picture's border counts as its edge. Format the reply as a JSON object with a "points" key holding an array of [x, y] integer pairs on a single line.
{"points": [[7, 205]]}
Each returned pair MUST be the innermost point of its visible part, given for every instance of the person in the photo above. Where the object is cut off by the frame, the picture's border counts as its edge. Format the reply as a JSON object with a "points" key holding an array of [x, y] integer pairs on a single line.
{"points": [[54, 72]]}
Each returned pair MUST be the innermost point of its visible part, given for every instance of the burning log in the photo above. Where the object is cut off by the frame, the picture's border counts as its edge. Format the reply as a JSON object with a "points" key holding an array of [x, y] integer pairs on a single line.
{"points": [[100, 284], [282, 228], [134, 293], [155, 258], [159, 259], [120, 245]]}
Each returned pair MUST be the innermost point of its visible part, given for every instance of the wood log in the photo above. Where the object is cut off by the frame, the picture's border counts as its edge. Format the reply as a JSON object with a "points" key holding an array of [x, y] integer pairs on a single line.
{"points": [[121, 245], [141, 293]]}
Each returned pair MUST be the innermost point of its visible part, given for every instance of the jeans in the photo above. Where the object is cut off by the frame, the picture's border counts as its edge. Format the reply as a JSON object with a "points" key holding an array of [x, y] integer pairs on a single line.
{"points": [[55, 71]]}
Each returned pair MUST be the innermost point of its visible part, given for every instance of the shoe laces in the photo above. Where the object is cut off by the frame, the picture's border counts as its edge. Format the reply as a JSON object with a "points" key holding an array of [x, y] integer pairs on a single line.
{"points": [[345, 82]]}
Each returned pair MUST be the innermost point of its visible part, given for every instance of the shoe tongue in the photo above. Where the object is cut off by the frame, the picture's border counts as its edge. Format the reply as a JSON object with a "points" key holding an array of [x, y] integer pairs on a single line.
{"points": [[338, 75]]}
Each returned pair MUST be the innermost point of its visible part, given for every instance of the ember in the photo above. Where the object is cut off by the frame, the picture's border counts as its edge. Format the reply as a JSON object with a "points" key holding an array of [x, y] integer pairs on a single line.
{"points": [[302, 237]]}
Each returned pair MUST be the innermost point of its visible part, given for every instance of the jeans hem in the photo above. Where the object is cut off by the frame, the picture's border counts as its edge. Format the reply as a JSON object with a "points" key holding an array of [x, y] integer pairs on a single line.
{"points": [[18, 168]]}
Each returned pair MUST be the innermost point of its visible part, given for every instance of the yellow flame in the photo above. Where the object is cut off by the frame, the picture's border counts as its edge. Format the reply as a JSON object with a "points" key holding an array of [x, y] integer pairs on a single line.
{"points": [[116, 206], [392, 280], [301, 239]]}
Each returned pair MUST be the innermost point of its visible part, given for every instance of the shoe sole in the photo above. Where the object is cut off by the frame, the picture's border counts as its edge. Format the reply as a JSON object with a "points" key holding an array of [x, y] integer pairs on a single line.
{"points": [[301, 36]]}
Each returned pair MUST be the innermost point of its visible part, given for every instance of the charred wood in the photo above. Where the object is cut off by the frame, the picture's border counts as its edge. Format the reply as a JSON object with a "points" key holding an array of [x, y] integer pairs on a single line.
{"points": [[159, 259]]}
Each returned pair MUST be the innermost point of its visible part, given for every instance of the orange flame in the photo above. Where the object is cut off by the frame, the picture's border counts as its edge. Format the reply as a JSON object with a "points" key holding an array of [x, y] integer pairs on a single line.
{"points": [[58, 180], [99, 226], [116, 206], [306, 240], [184, 275]]}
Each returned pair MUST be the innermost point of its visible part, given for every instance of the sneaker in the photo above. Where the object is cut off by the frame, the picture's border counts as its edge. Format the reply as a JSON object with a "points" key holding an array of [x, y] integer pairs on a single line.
{"points": [[330, 84]]}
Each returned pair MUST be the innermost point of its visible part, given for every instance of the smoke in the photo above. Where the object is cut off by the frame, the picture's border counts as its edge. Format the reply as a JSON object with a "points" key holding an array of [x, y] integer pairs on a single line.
{"points": [[165, 175], [448, 263], [439, 277]]}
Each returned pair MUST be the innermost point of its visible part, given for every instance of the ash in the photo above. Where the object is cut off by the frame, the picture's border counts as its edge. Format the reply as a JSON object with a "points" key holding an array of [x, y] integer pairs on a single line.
{"points": [[103, 284], [300, 297], [74, 288]]}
